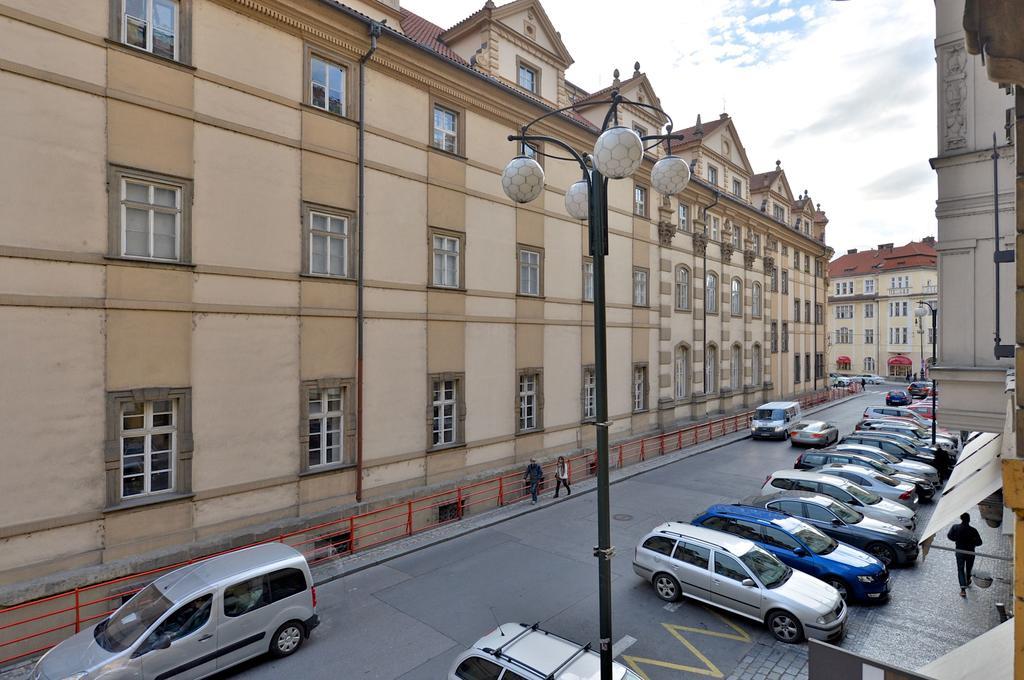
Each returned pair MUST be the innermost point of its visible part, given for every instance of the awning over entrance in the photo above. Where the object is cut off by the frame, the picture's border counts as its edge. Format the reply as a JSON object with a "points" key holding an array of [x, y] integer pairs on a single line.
{"points": [[977, 475], [900, 361], [843, 360], [988, 656]]}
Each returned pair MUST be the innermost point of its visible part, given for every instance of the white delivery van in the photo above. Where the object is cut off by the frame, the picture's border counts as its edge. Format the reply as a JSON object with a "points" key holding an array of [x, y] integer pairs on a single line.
{"points": [[772, 420]]}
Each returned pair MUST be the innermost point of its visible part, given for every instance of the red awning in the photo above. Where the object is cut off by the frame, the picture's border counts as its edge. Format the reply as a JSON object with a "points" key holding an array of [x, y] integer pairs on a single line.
{"points": [[900, 361], [843, 360]]}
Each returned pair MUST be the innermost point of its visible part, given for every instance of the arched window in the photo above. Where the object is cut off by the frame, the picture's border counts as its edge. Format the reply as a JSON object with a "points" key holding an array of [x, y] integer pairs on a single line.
{"points": [[710, 369], [736, 368], [756, 300], [711, 293], [682, 287], [869, 364], [755, 365], [682, 372], [736, 298]]}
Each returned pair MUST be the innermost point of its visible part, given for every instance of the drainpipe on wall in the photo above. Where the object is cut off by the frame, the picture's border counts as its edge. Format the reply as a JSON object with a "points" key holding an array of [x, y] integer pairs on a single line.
{"points": [[375, 31]]}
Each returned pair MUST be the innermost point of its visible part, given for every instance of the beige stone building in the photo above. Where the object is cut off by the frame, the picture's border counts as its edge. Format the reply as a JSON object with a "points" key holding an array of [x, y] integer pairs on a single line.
{"points": [[872, 300], [253, 271]]}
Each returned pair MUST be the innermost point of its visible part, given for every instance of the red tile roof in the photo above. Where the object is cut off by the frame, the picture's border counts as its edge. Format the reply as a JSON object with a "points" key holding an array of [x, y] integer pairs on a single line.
{"points": [[425, 33], [914, 254]]}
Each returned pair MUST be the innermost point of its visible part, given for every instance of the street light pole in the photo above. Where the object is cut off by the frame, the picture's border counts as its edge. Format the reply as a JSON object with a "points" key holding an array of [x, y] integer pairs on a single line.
{"points": [[920, 312], [619, 151]]}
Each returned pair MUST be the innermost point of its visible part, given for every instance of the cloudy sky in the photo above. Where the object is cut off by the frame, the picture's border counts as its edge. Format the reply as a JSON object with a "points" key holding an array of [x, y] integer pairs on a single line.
{"points": [[843, 93]]}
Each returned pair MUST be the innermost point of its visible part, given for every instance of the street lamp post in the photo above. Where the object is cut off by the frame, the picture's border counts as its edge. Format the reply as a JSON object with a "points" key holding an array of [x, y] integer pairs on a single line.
{"points": [[617, 154], [923, 309]]}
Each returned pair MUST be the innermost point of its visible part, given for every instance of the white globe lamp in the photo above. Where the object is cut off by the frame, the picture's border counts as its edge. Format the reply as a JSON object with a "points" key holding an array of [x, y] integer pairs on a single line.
{"points": [[670, 175], [522, 179], [577, 200], [618, 152]]}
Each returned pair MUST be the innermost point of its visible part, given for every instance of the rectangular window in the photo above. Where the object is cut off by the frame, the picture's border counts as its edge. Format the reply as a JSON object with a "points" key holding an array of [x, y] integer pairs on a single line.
{"points": [[757, 244], [796, 259], [775, 279], [447, 260], [588, 280], [713, 175], [639, 388], [529, 272], [796, 368], [796, 310], [807, 264], [869, 336], [869, 311], [152, 216], [785, 282], [807, 367], [529, 389], [640, 200], [737, 237], [148, 431], [684, 218], [446, 129], [779, 213], [589, 394], [737, 188], [785, 336], [818, 313], [775, 337], [869, 286], [151, 25], [844, 311], [818, 268], [716, 228], [328, 244], [819, 365], [639, 287], [326, 435], [444, 412], [807, 311], [527, 78], [327, 85], [640, 130]]}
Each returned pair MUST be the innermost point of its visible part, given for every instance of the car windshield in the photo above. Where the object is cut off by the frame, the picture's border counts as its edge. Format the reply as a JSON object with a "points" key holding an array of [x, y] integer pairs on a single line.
{"points": [[888, 481], [127, 624], [768, 414], [862, 494], [845, 512], [819, 543], [771, 572]]}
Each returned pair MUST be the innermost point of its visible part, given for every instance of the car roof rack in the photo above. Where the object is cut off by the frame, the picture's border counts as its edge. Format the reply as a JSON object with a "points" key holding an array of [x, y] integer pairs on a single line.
{"points": [[577, 654], [526, 629]]}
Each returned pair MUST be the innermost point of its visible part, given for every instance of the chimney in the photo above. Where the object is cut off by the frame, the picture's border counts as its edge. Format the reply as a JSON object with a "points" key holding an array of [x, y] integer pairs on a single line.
{"points": [[885, 247], [851, 251], [929, 241]]}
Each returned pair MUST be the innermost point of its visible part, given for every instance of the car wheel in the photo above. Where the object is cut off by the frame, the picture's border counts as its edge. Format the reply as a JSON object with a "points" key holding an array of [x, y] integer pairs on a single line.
{"points": [[287, 639], [785, 627], [883, 553], [839, 584], [666, 587]]}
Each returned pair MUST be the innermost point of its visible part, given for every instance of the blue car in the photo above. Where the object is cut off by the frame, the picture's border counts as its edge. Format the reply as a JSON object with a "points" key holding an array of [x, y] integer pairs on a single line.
{"points": [[854, 573], [898, 398]]}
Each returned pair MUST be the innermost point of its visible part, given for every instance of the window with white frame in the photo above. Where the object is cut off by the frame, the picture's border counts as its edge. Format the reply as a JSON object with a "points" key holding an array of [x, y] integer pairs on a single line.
{"points": [[151, 25], [737, 236], [710, 369], [844, 336], [682, 287], [869, 286], [711, 292], [796, 310], [447, 250], [869, 311], [588, 280], [869, 364], [757, 244], [898, 335], [326, 435], [148, 434], [844, 311], [589, 394], [529, 387], [639, 287], [327, 85], [529, 271], [755, 365], [682, 372], [446, 129], [443, 411], [716, 228], [736, 298], [785, 282], [736, 368], [779, 212], [737, 188], [684, 218], [151, 219], [785, 336], [527, 78], [869, 336], [818, 314], [640, 200], [756, 300], [713, 175], [328, 244], [796, 259], [639, 388], [807, 263]]}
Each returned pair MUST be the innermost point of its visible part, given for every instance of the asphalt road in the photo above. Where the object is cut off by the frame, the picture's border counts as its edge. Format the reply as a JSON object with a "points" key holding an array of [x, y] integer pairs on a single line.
{"points": [[407, 619]]}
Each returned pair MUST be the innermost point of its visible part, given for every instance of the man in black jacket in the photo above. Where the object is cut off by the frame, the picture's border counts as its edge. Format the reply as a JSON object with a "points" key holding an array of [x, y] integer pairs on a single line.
{"points": [[966, 538]]}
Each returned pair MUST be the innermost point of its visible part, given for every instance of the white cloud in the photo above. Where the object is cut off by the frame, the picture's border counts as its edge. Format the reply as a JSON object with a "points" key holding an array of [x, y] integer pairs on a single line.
{"points": [[847, 102]]}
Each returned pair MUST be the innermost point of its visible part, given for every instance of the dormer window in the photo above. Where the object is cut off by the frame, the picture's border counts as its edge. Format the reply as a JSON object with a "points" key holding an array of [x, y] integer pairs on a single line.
{"points": [[528, 79], [640, 130]]}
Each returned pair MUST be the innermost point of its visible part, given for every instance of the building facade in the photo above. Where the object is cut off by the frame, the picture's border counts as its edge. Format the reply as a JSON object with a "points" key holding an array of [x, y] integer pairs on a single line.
{"points": [[972, 114], [872, 300], [262, 268]]}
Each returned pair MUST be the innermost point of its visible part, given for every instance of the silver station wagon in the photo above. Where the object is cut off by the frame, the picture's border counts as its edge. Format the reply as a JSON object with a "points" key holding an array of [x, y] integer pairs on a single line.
{"points": [[732, 573], [196, 621]]}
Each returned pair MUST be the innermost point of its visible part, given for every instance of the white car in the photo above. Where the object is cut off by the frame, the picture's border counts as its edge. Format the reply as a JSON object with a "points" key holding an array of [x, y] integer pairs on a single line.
{"points": [[870, 378]]}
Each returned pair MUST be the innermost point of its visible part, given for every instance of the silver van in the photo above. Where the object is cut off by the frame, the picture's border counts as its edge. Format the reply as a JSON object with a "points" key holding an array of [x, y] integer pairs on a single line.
{"points": [[197, 621], [772, 420]]}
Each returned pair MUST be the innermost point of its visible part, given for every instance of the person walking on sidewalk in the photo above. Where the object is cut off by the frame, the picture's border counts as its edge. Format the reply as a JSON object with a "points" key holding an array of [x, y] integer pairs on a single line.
{"points": [[966, 538], [562, 476], [533, 476]]}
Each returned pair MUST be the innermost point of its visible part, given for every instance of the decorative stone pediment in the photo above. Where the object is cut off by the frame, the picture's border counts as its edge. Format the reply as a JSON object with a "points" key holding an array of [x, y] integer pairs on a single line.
{"points": [[700, 243], [748, 259]]}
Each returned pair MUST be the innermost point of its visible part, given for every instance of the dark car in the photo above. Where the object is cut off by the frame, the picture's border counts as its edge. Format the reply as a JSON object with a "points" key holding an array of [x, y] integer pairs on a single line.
{"points": [[816, 459], [854, 573], [921, 388], [898, 398], [904, 447], [892, 545]]}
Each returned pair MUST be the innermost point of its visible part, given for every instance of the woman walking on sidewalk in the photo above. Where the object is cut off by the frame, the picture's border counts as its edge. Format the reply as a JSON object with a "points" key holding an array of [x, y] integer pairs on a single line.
{"points": [[562, 476]]}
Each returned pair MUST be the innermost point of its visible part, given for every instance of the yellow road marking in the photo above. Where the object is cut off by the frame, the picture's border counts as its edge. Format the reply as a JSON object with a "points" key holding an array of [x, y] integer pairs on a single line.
{"points": [[709, 669]]}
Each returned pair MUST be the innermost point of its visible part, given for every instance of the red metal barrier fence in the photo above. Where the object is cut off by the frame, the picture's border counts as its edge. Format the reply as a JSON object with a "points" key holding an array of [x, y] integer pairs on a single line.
{"points": [[32, 627]]}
